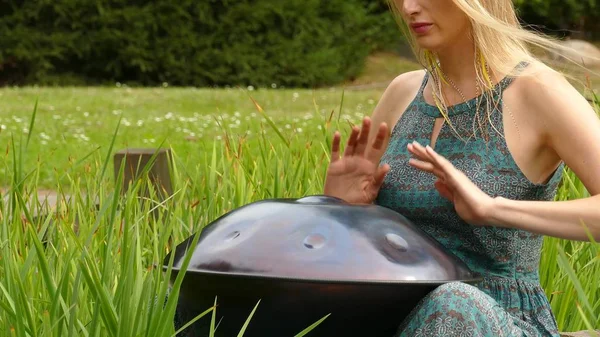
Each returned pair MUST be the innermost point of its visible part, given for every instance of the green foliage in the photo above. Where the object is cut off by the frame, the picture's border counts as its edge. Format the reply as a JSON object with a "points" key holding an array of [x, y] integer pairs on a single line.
{"points": [[561, 15], [200, 43]]}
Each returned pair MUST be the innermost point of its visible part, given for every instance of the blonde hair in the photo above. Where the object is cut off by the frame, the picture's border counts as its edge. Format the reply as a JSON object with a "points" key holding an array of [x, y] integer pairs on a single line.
{"points": [[500, 43]]}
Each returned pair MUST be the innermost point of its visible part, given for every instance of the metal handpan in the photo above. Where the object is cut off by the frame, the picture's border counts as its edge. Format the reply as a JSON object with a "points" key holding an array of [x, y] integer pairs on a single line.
{"points": [[365, 265]]}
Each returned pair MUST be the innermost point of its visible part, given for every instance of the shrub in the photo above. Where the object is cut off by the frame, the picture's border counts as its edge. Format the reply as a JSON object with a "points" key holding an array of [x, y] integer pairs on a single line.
{"points": [[200, 43]]}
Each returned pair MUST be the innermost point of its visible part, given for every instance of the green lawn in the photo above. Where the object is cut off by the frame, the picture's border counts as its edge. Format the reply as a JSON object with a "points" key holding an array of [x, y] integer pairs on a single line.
{"points": [[72, 122], [101, 280]]}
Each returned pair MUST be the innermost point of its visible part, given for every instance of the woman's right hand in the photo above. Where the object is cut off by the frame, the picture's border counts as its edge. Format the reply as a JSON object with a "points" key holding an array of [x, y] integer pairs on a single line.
{"points": [[356, 177]]}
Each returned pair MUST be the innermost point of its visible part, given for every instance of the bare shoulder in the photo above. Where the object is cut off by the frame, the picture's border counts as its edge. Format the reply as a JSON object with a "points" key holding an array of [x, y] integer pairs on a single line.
{"points": [[396, 97], [569, 123], [405, 86], [408, 81], [547, 92]]}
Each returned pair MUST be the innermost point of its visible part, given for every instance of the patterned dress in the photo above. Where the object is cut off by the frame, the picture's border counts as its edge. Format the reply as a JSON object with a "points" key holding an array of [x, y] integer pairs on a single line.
{"points": [[509, 301]]}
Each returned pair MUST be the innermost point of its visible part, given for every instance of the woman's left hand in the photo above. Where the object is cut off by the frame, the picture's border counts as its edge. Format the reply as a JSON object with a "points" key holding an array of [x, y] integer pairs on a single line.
{"points": [[471, 203]]}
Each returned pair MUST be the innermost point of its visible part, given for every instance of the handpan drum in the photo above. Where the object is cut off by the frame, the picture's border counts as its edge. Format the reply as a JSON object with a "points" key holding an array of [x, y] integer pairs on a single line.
{"points": [[365, 265]]}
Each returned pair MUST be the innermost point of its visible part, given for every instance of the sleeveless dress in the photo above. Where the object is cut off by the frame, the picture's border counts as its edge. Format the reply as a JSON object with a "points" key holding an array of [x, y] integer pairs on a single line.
{"points": [[510, 300]]}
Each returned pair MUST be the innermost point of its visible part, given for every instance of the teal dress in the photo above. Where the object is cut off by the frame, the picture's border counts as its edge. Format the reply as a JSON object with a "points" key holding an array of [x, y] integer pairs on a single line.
{"points": [[509, 301]]}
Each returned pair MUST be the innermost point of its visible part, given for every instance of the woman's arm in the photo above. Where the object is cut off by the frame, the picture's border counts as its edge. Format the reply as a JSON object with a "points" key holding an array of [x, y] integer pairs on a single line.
{"points": [[571, 129]]}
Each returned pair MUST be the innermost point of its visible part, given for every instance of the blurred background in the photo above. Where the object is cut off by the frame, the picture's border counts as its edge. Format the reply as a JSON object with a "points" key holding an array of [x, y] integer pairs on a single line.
{"points": [[206, 43]]}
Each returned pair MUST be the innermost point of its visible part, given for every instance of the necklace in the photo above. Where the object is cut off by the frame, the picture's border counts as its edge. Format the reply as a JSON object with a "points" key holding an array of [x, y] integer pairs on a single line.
{"points": [[455, 87]]}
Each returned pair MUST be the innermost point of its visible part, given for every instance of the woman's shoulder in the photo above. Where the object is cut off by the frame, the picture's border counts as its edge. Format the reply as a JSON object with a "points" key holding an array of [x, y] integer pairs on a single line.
{"points": [[397, 97], [406, 83], [540, 85]]}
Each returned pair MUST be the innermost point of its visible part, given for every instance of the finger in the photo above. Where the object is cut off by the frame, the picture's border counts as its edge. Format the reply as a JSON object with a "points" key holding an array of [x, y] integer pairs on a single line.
{"points": [[376, 151], [380, 175], [454, 177], [382, 133], [421, 151], [418, 153], [363, 138], [438, 160], [444, 190], [351, 145], [428, 167], [335, 147]]}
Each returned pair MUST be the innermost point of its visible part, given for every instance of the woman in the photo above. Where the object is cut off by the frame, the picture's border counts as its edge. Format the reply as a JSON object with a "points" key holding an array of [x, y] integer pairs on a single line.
{"points": [[503, 125]]}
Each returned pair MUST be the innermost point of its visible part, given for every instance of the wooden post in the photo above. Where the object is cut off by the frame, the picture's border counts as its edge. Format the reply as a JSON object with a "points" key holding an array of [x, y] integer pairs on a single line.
{"points": [[136, 162]]}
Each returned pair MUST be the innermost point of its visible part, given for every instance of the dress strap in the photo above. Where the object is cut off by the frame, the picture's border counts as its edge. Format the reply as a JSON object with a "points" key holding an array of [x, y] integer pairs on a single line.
{"points": [[507, 80], [423, 83]]}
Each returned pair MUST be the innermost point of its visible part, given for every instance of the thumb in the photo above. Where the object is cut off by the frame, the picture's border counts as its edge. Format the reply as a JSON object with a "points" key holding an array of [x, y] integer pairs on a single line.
{"points": [[380, 175], [444, 190]]}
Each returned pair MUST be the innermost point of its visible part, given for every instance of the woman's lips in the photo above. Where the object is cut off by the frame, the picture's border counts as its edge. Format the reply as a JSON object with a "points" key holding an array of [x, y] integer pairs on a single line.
{"points": [[420, 27]]}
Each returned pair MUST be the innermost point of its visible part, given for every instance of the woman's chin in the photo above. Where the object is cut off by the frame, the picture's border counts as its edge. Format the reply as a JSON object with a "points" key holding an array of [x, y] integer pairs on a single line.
{"points": [[428, 42]]}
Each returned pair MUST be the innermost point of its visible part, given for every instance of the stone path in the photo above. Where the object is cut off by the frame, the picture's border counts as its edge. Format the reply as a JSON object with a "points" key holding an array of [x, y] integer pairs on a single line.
{"points": [[580, 334], [45, 197]]}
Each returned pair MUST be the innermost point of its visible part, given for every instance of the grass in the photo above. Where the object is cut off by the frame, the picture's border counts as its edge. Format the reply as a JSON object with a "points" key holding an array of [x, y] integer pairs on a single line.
{"points": [[99, 278], [73, 122], [381, 67]]}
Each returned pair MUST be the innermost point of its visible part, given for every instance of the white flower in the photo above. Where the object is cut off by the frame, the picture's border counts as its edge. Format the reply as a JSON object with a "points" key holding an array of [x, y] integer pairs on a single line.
{"points": [[250, 87], [2, 127], [140, 122], [86, 114], [169, 115], [273, 85], [371, 102]]}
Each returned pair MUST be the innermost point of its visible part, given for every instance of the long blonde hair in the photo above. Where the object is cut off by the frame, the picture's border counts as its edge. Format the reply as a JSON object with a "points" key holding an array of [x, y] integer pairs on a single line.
{"points": [[501, 43]]}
